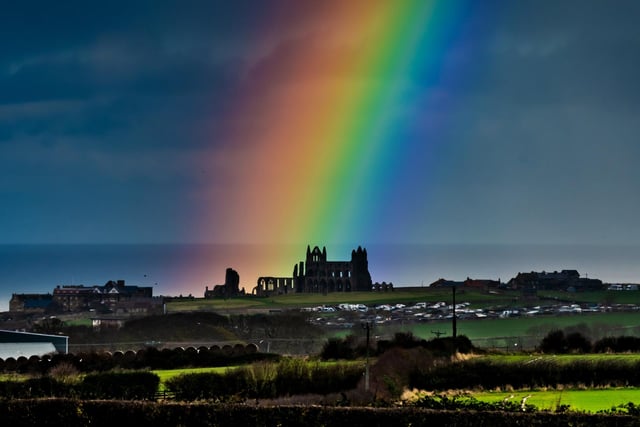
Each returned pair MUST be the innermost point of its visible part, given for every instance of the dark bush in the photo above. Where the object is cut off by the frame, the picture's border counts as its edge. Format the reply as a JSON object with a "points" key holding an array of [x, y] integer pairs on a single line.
{"points": [[338, 348], [619, 344], [35, 387], [348, 348], [135, 385], [391, 372], [554, 343], [449, 346], [557, 342], [207, 386], [578, 343]]}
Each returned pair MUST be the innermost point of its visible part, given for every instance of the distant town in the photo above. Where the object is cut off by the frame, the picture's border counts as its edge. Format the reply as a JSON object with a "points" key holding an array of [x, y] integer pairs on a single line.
{"points": [[316, 274]]}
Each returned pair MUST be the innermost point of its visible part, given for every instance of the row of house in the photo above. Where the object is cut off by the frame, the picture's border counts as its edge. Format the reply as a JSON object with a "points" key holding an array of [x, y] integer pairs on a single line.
{"points": [[566, 280], [112, 296], [530, 283]]}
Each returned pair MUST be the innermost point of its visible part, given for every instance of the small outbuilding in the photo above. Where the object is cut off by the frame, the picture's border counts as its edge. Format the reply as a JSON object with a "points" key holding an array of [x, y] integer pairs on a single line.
{"points": [[26, 344]]}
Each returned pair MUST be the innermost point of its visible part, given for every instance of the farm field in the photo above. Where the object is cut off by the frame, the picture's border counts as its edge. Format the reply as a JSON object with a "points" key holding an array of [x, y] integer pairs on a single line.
{"points": [[565, 358], [525, 332], [594, 297], [166, 374], [588, 400]]}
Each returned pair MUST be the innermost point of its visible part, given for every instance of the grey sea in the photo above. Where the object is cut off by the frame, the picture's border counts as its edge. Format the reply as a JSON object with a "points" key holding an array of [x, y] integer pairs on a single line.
{"points": [[187, 269]]}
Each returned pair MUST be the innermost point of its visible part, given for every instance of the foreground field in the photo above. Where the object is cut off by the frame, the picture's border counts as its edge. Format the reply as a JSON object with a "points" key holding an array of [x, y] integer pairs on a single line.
{"points": [[587, 383], [580, 399], [588, 400], [564, 358], [583, 399]]}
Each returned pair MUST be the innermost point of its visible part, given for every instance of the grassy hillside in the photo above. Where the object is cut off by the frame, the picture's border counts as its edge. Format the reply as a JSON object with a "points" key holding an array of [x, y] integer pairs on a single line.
{"points": [[594, 324], [399, 295], [478, 298], [202, 321]]}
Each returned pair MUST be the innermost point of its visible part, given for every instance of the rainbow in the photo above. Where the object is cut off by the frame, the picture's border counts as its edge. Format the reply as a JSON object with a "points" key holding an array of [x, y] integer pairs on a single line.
{"points": [[320, 133]]}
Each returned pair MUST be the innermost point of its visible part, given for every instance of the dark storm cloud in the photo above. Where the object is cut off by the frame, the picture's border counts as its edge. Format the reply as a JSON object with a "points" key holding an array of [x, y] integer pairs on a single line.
{"points": [[107, 110], [87, 48], [545, 134], [110, 105], [568, 51]]}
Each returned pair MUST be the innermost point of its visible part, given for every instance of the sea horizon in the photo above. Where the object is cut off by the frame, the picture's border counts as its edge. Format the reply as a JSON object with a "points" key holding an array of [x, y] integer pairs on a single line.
{"points": [[188, 268]]}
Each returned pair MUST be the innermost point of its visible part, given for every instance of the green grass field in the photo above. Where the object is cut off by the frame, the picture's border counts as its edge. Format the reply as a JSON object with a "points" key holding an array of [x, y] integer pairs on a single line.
{"points": [[588, 400], [513, 334], [564, 358], [578, 399], [595, 297], [520, 326], [166, 374]]}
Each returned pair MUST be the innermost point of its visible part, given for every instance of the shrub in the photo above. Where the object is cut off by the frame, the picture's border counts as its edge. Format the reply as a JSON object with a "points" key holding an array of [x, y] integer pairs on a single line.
{"points": [[339, 348], [391, 372], [578, 343], [557, 342], [64, 372], [554, 342], [35, 387], [619, 344], [135, 385], [207, 386]]}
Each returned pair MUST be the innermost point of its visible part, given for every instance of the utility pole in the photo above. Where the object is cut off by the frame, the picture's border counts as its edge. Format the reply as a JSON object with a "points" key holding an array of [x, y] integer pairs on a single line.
{"points": [[367, 326], [455, 328]]}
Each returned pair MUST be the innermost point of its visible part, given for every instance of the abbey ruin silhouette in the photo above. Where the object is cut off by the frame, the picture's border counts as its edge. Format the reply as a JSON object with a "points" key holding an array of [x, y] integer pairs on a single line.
{"points": [[318, 275]]}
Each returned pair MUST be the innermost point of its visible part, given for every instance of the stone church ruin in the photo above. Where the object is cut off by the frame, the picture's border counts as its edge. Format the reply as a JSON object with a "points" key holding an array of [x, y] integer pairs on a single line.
{"points": [[318, 275]]}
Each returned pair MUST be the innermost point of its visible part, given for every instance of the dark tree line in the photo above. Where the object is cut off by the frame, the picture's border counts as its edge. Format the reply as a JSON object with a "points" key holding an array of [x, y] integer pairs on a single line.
{"points": [[559, 342]]}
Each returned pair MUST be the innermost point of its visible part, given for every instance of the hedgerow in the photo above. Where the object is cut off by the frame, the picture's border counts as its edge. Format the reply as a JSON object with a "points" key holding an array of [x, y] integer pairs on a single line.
{"points": [[151, 358], [543, 372], [139, 385], [267, 380], [72, 413]]}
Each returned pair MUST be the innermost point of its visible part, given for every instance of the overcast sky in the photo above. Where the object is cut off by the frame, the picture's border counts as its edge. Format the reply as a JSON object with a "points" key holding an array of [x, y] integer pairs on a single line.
{"points": [[107, 108]]}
